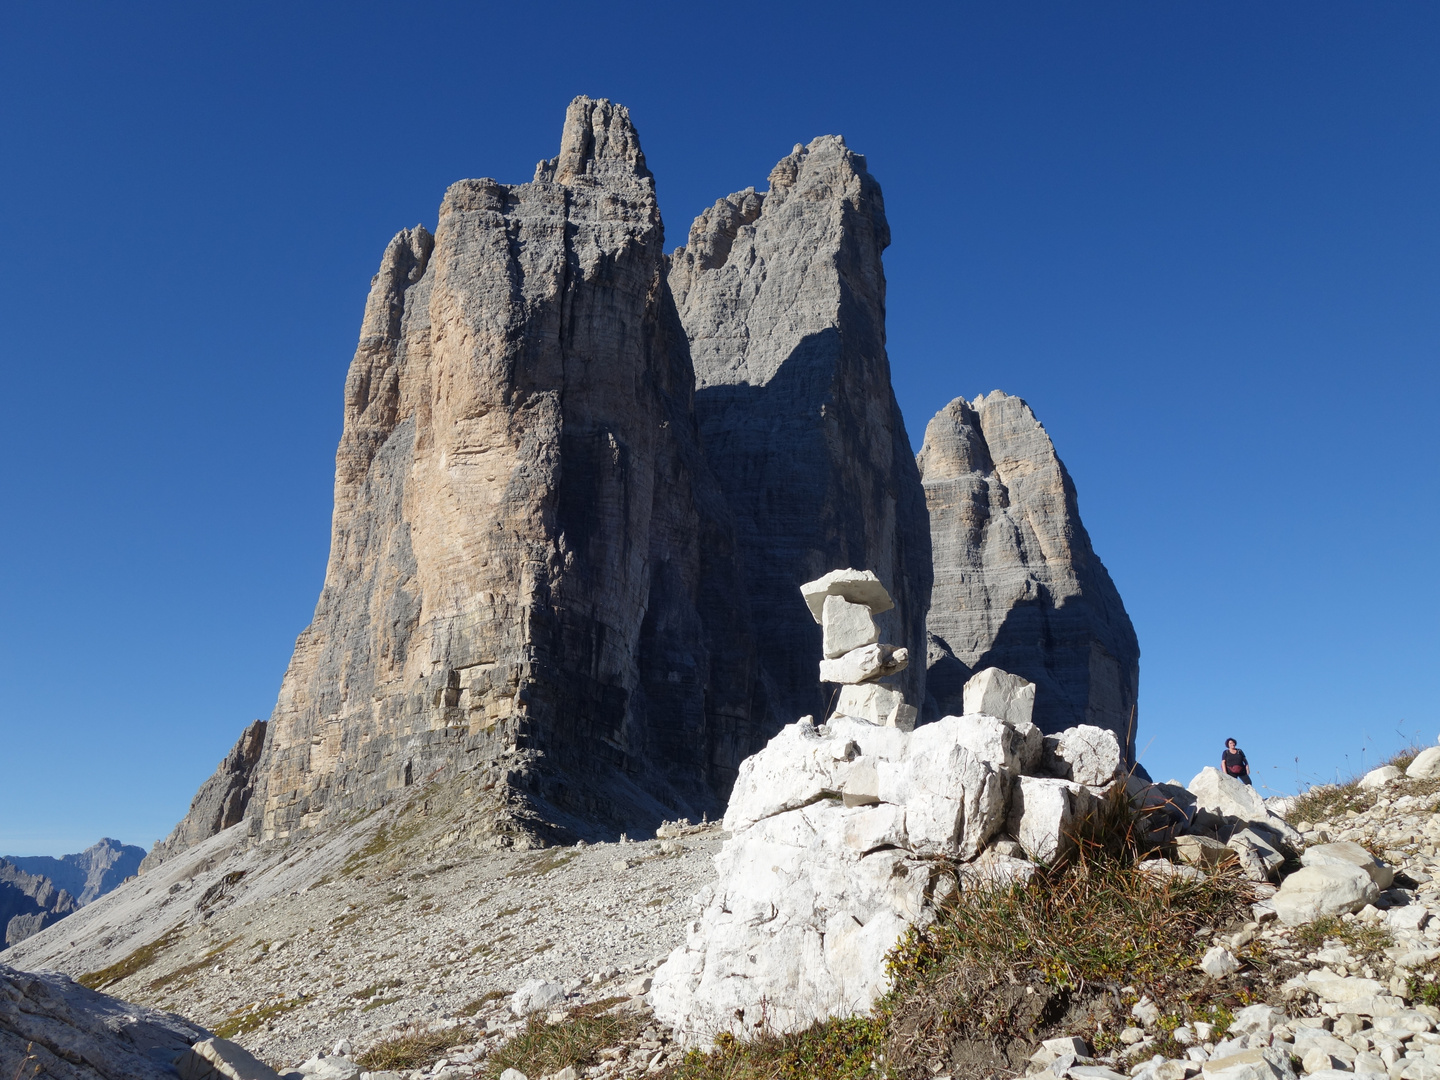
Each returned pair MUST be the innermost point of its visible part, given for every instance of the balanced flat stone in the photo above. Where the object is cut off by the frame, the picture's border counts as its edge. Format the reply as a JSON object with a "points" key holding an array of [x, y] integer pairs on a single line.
{"points": [[857, 586]]}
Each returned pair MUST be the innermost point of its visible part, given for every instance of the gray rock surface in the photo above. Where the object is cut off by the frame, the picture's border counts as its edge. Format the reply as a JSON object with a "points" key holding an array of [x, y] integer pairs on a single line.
{"points": [[782, 296], [72, 1033], [29, 903], [1017, 584], [88, 874], [532, 575]]}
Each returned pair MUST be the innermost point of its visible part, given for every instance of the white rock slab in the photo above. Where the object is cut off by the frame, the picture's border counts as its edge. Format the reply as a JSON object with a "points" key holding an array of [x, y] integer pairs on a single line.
{"points": [[1378, 778], [1350, 853], [1044, 815], [1315, 891], [1426, 765], [847, 626], [1088, 755], [999, 693], [856, 586]]}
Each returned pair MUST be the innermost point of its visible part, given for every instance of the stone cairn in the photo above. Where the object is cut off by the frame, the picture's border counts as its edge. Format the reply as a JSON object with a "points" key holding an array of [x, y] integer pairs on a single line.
{"points": [[845, 603], [847, 832]]}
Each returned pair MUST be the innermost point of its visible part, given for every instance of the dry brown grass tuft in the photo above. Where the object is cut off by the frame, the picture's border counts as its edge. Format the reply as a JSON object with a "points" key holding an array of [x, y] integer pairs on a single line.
{"points": [[413, 1048], [576, 1041]]}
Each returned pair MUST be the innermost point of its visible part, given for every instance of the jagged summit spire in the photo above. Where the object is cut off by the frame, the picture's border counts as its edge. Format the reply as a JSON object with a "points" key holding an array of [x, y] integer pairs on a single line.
{"points": [[599, 141]]}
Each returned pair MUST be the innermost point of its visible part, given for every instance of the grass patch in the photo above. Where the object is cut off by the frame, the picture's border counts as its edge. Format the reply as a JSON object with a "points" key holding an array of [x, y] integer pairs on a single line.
{"points": [[576, 1041], [1423, 985], [1366, 941], [413, 1048], [473, 1007], [508, 912], [849, 1049], [192, 968], [253, 1017], [1325, 802], [552, 859], [371, 991], [385, 838], [378, 1003], [137, 961]]}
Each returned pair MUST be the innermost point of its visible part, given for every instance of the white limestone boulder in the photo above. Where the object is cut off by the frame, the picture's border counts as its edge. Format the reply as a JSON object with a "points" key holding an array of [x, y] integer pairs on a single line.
{"points": [[837, 837], [1085, 753], [1045, 814], [999, 693], [876, 704], [1228, 798], [1014, 747], [1258, 855], [221, 1059], [536, 995], [1378, 778], [856, 586], [954, 801], [846, 626], [1316, 891], [1202, 851], [1349, 853], [805, 906], [795, 768], [1426, 765]]}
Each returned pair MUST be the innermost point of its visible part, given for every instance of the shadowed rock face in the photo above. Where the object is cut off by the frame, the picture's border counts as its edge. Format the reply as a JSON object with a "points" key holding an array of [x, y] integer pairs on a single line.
{"points": [[531, 572], [1017, 584], [782, 296]]}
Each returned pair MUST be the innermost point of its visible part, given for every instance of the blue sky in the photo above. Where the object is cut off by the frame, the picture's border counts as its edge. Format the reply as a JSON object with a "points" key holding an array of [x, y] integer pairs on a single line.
{"points": [[1200, 238]]}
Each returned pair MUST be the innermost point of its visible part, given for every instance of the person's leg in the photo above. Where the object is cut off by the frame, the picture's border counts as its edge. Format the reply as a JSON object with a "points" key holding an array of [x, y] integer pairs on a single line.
{"points": [[1245, 779]]}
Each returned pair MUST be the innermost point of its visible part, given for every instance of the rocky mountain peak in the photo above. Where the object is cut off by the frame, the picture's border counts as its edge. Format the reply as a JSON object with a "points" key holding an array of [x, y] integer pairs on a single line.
{"points": [[598, 142], [1018, 585]]}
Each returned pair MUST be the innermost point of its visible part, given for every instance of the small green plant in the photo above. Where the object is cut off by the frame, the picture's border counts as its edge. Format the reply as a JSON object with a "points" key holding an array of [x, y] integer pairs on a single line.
{"points": [[850, 1049]]}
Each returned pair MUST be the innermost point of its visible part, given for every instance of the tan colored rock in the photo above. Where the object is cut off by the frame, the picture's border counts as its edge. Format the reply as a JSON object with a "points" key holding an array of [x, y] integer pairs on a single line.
{"points": [[532, 568], [1017, 583]]}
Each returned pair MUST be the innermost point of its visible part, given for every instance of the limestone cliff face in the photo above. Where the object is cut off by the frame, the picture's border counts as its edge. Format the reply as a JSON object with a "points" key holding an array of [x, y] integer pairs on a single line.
{"points": [[782, 296], [532, 574], [1017, 584]]}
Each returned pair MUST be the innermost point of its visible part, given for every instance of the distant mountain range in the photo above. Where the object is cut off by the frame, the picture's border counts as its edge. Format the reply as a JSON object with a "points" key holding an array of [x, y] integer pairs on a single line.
{"points": [[38, 890]]}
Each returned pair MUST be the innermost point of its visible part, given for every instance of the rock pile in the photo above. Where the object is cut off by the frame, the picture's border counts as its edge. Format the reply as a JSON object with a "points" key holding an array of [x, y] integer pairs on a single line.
{"points": [[847, 832], [845, 603]]}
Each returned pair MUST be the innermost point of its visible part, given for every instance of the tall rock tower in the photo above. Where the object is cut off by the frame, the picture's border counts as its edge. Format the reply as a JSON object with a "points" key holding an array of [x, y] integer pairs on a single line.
{"points": [[782, 296], [530, 561], [1017, 584]]}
